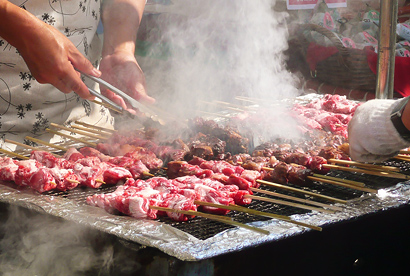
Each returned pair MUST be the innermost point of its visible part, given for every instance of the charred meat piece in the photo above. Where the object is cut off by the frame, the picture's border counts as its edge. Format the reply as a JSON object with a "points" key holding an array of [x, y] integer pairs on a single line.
{"points": [[206, 146], [333, 153], [279, 174], [235, 143]]}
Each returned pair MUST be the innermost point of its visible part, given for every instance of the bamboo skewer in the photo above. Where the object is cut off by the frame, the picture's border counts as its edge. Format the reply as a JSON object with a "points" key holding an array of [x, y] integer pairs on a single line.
{"points": [[107, 106], [214, 114], [27, 146], [256, 212], [148, 174], [280, 186], [20, 144], [96, 127], [402, 157], [226, 105], [45, 143], [378, 173], [72, 138], [97, 132], [306, 201], [364, 165], [14, 154], [324, 180], [79, 132], [222, 219], [337, 179], [288, 203]]}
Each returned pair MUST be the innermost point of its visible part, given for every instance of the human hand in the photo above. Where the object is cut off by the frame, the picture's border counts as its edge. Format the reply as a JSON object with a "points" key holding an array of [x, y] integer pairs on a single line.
{"points": [[372, 135], [51, 58], [122, 70]]}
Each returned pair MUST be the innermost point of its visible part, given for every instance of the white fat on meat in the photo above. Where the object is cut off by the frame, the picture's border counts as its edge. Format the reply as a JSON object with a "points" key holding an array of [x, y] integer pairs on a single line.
{"points": [[69, 152], [8, 169], [138, 207], [177, 203]]}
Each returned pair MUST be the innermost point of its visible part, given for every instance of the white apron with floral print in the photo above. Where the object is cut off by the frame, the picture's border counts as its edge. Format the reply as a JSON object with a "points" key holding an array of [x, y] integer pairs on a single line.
{"points": [[27, 107]]}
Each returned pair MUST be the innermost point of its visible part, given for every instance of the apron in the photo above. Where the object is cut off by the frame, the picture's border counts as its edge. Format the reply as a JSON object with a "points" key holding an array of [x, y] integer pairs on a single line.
{"points": [[27, 107]]}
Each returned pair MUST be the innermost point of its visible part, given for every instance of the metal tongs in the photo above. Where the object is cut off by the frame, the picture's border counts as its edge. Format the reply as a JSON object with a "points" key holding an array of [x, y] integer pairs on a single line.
{"points": [[147, 111]]}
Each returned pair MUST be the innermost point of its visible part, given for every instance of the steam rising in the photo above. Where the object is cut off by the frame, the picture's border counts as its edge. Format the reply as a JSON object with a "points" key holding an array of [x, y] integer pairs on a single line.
{"points": [[217, 51], [36, 244], [220, 50]]}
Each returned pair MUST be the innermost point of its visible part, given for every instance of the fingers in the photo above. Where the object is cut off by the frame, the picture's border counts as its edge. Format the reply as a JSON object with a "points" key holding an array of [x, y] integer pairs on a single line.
{"points": [[83, 64], [74, 81], [142, 96]]}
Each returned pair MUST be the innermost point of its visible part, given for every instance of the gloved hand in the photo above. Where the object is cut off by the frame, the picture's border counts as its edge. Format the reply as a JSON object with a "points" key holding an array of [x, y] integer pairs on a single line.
{"points": [[372, 135]]}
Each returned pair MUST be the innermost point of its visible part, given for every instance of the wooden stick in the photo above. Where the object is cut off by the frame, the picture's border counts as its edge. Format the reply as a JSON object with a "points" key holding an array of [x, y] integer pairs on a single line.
{"points": [[402, 157], [378, 173], [45, 143], [100, 181], [14, 154], [365, 165], [213, 217], [72, 138], [214, 114], [225, 106], [97, 132], [346, 181], [364, 189], [107, 106], [306, 201], [280, 186], [96, 127], [79, 132], [147, 174], [288, 203], [27, 146], [20, 144], [233, 207]]}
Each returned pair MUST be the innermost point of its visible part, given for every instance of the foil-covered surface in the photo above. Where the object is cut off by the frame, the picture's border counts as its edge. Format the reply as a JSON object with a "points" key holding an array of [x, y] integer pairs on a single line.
{"points": [[184, 246]]}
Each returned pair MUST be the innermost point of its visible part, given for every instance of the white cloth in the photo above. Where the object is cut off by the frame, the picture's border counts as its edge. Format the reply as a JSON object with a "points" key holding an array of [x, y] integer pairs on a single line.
{"points": [[372, 135], [27, 107]]}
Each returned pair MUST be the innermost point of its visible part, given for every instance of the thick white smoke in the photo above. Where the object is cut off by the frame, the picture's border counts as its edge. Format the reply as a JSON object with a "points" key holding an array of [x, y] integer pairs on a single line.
{"points": [[219, 50]]}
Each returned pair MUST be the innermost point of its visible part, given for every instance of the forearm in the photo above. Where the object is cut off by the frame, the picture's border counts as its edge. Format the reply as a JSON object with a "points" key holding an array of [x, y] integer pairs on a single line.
{"points": [[121, 19], [16, 24]]}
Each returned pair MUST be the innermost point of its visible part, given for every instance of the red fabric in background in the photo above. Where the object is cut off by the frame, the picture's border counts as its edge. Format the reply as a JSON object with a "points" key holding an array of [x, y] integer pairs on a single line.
{"points": [[316, 53], [401, 71]]}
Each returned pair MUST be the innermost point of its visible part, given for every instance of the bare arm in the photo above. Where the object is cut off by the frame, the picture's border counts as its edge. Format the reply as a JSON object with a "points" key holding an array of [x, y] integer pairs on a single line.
{"points": [[121, 19], [49, 55]]}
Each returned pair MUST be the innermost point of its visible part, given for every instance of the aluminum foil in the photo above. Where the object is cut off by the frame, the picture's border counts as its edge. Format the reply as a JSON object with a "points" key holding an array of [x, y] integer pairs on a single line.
{"points": [[184, 246]]}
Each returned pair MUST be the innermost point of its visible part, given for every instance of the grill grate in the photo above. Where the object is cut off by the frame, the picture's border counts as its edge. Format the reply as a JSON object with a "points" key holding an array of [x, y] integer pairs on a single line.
{"points": [[203, 229]]}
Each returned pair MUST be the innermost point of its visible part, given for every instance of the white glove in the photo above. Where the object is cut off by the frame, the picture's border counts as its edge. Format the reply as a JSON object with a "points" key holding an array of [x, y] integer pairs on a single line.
{"points": [[372, 135]]}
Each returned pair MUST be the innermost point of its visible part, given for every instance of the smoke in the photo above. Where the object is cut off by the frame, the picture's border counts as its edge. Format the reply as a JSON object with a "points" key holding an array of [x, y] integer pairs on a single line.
{"points": [[218, 50], [37, 244]]}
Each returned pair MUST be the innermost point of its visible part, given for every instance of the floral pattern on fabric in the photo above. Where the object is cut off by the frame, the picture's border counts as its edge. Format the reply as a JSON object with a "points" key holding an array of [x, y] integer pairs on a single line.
{"points": [[27, 107]]}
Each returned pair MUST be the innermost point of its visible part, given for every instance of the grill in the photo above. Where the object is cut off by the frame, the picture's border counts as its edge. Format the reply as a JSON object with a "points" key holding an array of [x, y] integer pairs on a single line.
{"points": [[203, 229], [201, 238]]}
